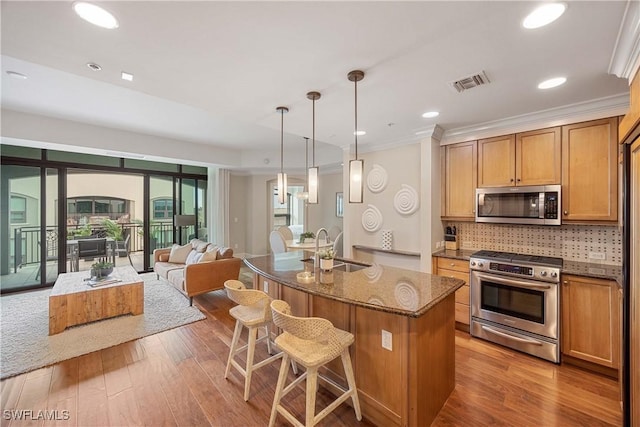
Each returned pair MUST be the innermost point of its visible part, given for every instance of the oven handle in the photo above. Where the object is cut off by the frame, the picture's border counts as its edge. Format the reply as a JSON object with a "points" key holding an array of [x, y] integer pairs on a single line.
{"points": [[509, 336], [512, 282]]}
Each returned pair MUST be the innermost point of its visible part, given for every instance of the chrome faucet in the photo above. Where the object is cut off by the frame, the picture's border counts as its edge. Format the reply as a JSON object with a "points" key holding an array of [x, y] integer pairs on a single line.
{"points": [[316, 255]]}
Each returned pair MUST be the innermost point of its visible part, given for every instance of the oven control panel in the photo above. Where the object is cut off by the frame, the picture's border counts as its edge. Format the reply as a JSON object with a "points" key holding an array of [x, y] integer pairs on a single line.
{"points": [[533, 272]]}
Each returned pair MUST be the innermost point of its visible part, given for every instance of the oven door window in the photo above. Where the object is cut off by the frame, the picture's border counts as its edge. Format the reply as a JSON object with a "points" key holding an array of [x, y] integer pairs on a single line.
{"points": [[512, 301]]}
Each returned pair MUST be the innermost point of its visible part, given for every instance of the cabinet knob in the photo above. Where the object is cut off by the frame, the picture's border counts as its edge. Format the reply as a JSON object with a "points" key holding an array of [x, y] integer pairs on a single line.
{"points": [[566, 212], [453, 265], [518, 180], [564, 282], [511, 180]]}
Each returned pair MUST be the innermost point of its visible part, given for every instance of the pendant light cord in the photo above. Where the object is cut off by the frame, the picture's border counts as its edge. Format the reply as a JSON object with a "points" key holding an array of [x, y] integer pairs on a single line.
{"points": [[355, 83], [281, 140], [313, 135]]}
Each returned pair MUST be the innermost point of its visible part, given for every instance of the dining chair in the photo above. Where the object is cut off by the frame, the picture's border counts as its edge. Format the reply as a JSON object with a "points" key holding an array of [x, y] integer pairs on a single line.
{"points": [[337, 245], [124, 249], [286, 232], [278, 245]]}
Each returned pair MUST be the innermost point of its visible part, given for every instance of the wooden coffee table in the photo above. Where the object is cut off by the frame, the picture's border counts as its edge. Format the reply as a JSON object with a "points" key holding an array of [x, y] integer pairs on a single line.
{"points": [[73, 302]]}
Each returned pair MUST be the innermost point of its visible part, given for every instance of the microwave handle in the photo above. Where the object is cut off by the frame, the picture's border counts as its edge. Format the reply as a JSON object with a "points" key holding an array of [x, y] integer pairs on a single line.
{"points": [[541, 206], [511, 282]]}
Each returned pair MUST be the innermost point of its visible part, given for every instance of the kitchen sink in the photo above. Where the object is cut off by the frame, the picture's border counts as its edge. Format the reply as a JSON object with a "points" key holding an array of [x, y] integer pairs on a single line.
{"points": [[346, 266]]}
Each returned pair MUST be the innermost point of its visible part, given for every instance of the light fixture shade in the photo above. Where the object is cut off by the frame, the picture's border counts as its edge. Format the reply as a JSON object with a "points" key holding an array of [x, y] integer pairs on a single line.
{"points": [[184, 220], [356, 169], [313, 184], [282, 187]]}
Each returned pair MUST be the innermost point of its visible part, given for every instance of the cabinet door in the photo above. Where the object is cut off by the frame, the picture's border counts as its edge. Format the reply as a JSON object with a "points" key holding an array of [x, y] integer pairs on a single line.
{"points": [[459, 180], [538, 160], [590, 171], [591, 320], [497, 161]]}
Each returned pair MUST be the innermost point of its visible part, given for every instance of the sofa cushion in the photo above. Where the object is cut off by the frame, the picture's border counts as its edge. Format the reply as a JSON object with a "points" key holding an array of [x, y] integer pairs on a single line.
{"points": [[162, 269], [179, 253], [224, 253], [209, 256], [176, 278], [194, 257], [199, 245]]}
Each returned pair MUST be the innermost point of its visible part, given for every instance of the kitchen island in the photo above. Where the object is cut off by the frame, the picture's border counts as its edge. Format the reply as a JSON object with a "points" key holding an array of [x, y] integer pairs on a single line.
{"points": [[403, 323]]}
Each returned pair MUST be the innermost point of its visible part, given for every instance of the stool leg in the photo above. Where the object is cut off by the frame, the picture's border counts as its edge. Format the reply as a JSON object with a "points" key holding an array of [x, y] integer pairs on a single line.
{"points": [[266, 329], [234, 345], [253, 333], [312, 387], [282, 376], [348, 370]]}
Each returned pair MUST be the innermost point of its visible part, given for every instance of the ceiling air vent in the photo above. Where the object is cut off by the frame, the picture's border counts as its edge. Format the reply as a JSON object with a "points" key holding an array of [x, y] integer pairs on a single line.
{"points": [[470, 82]]}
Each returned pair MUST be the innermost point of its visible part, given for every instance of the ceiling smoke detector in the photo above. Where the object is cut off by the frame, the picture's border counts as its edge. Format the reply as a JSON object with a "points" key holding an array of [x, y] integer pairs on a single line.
{"points": [[470, 82]]}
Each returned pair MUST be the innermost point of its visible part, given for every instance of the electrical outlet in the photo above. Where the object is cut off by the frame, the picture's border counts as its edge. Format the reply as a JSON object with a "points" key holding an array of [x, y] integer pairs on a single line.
{"points": [[597, 255], [438, 245], [387, 340], [442, 243], [265, 286]]}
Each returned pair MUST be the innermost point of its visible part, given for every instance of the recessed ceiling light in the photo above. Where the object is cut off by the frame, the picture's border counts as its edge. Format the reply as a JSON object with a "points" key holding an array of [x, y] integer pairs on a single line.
{"points": [[95, 15], [544, 15], [17, 75], [127, 76], [548, 84], [94, 66], [430, 114], [360, 132]]}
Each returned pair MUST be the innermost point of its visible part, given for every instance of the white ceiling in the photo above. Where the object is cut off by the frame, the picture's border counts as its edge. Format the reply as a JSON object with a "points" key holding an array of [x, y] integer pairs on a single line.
{"points": [[214, 72]]}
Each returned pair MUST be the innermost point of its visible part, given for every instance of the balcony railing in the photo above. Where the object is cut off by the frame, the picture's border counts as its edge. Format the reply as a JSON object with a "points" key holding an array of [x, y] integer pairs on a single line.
{"points": [[26, 240]]}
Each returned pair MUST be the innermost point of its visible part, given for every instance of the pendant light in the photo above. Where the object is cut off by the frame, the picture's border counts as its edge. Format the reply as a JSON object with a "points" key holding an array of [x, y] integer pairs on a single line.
{"points": [[314, 171], [304, 195], [282, 177], [356, 167]]}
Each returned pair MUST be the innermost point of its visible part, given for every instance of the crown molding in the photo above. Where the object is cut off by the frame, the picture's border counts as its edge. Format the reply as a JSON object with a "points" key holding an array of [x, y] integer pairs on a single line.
{"points": [[615, 105], [625, 59]]}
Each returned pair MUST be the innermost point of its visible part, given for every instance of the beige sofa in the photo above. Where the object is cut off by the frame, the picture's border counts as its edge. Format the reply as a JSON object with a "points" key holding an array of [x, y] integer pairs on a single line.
{"points": [[196, 268]]}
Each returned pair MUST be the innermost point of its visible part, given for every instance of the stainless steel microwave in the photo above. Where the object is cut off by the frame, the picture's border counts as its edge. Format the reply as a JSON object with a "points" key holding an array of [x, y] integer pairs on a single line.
{"points": [[519, 205]]}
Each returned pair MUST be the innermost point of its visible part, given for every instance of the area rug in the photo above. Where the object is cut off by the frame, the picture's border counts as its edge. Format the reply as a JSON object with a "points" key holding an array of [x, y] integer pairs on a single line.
{"points": [[25, 343]]}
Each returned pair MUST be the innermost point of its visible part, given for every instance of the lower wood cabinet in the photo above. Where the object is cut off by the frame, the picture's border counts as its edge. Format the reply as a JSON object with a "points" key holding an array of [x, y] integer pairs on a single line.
{"points": [[459, 269], [591, 321]]}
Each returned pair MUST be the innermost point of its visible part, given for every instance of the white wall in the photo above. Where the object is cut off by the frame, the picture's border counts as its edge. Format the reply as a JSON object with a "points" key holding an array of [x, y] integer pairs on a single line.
{"points": [[403, 166]]}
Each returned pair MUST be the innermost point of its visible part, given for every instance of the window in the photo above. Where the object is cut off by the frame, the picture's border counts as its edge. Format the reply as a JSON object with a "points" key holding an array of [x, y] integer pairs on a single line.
{"points": [[18, 210], [162, 208], [81, 209]]}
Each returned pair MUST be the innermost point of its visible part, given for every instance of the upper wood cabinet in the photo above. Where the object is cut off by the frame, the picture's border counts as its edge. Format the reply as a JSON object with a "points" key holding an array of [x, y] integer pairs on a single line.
{"points": [[590, 171], [528, 158], [459, 167]]}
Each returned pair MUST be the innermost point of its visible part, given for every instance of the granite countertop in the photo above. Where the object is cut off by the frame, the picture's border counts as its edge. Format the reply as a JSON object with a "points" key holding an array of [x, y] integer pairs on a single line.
{"points": [[378, 287], [587, 269]]}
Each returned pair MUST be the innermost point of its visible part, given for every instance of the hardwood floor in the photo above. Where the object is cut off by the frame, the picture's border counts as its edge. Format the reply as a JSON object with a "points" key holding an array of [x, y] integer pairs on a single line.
{"points": [[177, 378]]}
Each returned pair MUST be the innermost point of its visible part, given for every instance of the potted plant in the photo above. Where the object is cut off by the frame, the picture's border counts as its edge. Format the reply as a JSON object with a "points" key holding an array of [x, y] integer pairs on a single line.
{"points": [[114, 230], [306, 235], [326, 259], [101, 269]]}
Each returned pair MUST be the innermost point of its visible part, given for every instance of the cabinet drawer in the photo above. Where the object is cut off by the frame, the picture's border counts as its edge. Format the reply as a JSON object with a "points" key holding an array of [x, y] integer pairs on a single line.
{"points": [[455, 274], [462, 295], [462, 313], [453, 264]]}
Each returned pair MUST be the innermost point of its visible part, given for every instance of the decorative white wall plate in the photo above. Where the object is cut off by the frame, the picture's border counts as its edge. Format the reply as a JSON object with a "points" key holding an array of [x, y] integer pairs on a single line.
{"points": [[406, 200], [371, 219], [377, 179], [406, 295]]}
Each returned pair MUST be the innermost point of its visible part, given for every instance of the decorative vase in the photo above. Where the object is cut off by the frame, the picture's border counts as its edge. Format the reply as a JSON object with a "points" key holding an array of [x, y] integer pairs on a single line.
{"points": [[326, 264], [387, 239]]}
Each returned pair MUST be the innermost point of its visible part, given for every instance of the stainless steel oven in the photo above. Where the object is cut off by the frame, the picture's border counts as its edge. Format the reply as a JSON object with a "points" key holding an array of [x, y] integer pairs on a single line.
{"points": [[515, 302]]}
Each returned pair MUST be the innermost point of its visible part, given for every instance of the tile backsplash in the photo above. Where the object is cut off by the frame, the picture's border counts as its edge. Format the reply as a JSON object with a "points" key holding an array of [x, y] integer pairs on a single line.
{"points": [[570, 242]]}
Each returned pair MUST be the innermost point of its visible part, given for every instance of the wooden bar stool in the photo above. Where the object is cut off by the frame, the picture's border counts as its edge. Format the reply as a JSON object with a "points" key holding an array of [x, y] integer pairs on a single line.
{"points": [[311, 342], [252, 312]]}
